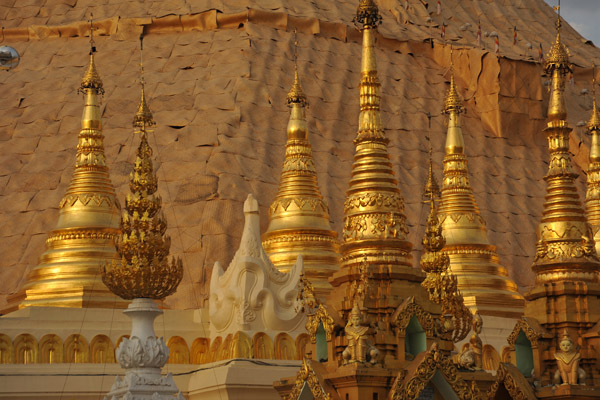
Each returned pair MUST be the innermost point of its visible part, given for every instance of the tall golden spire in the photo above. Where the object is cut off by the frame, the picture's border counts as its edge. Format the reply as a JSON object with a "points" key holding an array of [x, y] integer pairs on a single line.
{"points": [[375, 230], [565, 247], [299, 216], [483, 282], [592, 197], [69, 271], [144, 270]]}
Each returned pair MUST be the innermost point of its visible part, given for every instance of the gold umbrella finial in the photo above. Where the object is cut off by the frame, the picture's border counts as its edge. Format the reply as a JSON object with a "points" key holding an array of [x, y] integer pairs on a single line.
{"points": [[143, 116], [91, 78]]}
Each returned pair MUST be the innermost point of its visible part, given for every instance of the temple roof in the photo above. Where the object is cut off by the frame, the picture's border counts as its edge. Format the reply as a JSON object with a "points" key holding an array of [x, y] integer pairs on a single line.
{"points": [[220, 80]]}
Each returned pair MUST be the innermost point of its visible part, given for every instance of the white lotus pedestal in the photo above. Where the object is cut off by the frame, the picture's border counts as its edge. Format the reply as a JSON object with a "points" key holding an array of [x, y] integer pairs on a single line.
{"points": [[143, 356]]}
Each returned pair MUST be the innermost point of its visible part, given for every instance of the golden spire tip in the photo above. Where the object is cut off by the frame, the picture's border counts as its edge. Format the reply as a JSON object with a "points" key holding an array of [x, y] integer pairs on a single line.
{"points": [[91, 79], [143, 116]]}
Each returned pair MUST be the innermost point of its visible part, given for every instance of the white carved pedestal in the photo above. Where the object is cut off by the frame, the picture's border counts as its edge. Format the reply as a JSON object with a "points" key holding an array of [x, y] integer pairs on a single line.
{"points": [[143, 356]]}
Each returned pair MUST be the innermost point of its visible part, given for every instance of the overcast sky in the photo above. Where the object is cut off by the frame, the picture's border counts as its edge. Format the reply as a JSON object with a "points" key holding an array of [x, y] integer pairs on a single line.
{"points": [[583, 15]]}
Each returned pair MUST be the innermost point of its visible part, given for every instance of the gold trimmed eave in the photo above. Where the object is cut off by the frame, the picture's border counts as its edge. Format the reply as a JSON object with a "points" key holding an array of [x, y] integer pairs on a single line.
{"points": [[420, 372], [533, 331], [515, 383]]}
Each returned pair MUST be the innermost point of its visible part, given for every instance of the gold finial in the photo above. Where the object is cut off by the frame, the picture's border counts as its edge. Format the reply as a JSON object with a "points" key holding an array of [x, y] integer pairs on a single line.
{"points": [[558, 56], [143, 116], [453, 101], [367, 15], [594, 122], [296, 94], [91, 79], [144, 270], [432, 189]]}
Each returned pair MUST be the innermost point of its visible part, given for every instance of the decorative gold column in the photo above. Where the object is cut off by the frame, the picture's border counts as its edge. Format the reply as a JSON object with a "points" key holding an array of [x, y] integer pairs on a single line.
{"points": [[299, 216], [592, 197], [375, 230], [483, 282], [84, 238]]}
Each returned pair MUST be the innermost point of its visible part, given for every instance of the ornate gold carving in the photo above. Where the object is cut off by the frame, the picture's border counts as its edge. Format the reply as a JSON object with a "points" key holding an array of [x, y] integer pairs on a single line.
{"points": [[379, 225], [532, 329], [316, 312], [441, 284], [406, 311], [144, 270], [307, 375], [434, 361]]}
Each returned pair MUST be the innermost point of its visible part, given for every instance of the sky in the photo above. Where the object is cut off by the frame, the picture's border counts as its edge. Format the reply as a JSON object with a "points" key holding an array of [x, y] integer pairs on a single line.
{"points": [[583, 15]]}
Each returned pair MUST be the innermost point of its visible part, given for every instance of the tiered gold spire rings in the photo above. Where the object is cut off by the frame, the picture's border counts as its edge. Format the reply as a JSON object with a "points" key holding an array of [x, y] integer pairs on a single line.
{"points": [[144, 270]]}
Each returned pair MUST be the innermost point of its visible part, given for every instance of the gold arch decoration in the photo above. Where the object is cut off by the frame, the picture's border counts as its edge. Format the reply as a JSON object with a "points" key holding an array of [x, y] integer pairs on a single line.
{"points": [[7, 351], [301, 342], [214, 349], [490, 358], [307, 376], [199, 352], [241, 346], [505, 356], [285, 348], [26, 349], [411, 386], [262, 346], [532, 329], [76, 349], [320, 315], [51, 349], [409, 308], [179, 352], [225, 348], [101, 350], [513, 381]]}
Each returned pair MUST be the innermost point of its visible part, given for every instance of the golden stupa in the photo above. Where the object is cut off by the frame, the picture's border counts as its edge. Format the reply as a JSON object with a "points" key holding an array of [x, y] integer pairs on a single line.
{"points": [[68, 274], [483, 282], [299, 216], [592, 196], [374, 245]]}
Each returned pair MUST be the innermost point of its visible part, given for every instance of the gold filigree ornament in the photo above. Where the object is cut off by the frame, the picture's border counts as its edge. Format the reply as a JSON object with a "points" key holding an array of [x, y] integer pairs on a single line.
{"points": [[144, 270], [316, 312], [441, 284]]}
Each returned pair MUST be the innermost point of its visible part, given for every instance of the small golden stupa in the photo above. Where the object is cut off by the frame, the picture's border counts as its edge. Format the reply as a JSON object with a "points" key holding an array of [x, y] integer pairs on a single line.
{"points": [[483, 282], [299, 216], [592, 197], [68, 274]]}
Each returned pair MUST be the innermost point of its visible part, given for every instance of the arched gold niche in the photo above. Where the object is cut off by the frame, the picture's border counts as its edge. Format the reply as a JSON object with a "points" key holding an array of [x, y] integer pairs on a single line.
{"points": [[178, 350], [26, 349], [101, 350], [76, 349], [51, 349], [199, 353], [7, 351]]}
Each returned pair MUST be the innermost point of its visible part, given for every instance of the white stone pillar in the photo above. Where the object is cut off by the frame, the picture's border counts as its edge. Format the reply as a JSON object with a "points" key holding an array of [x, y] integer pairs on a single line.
{"points": [[143, 356]]}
